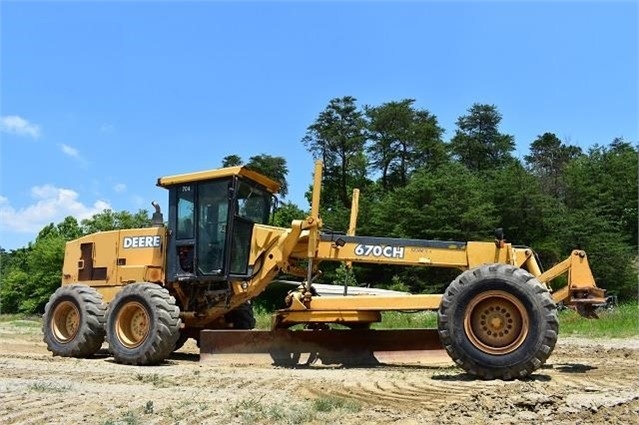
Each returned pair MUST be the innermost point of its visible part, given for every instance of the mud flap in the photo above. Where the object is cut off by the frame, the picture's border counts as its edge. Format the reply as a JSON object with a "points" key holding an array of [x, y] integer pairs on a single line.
{"points": [[358, 347]]}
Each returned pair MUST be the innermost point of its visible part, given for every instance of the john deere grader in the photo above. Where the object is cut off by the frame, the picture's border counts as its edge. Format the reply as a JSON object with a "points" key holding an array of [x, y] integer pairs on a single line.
{"points": [[146, 291]]}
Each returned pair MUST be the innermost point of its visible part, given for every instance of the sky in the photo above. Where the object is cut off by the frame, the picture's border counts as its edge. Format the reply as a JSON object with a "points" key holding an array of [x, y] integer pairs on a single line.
{"points": [[99, 99]]}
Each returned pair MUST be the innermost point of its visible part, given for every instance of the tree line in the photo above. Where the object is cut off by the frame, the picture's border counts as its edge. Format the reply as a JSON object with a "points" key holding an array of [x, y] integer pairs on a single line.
{"points": [[29, 275], [415, 184]]}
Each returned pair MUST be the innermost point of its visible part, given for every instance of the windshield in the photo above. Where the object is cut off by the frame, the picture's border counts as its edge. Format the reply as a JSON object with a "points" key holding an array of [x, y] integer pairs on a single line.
{"points": [[253, 204]]}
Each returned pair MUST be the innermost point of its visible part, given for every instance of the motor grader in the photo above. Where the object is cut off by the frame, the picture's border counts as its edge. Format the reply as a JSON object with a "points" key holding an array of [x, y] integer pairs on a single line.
{"points": [[145, 291]]}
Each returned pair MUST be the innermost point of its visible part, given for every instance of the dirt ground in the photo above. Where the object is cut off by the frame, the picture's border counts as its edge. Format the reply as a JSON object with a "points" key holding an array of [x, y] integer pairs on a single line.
{"points": [[584, 382]]}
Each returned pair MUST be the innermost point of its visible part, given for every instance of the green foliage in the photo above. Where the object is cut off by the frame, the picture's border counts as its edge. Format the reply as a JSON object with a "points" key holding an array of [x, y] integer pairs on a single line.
{"points": [[148, 407], [611, 258], [154, 379], [547, 161], [344, 276], [403, 139], [520, 205], [450, 203], [325, 409], [130, 417], [263, 314], [330, 403], [271, 166], [30, 275], [112, 220], [601, 214], [397, 284], [48, 387], [560, 200], [251, 411], [477, 143], [286, 213], [44, 265], [619, 322], [231, 161], [605, 183], [11, 293], [337, 137], [407, 320]]}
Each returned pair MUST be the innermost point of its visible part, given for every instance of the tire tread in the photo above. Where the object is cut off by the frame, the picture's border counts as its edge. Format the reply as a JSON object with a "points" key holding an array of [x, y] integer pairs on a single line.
{"points": [[548, 337]]}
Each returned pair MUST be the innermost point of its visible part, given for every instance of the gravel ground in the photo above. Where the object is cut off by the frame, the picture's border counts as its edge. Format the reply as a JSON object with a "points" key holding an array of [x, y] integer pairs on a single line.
{"points": [[585, 382]]}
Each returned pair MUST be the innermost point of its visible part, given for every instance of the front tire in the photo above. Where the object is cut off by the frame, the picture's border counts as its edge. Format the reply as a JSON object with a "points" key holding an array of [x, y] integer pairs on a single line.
{"points": [[73, 324], [498, 322], [143, 324]]}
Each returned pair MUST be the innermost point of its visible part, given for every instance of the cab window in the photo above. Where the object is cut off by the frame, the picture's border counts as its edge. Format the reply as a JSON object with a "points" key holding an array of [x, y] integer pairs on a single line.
{"points": [[185, 212], [252, 203]]}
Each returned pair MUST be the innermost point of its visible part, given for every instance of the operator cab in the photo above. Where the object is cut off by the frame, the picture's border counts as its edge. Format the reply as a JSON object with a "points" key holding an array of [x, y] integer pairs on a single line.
{"points": [[211, 219]]}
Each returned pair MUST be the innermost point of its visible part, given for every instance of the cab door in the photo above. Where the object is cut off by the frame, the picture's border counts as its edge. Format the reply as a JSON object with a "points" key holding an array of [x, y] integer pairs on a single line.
{"points": [[251, 204], [212, 218], [198, 220]]}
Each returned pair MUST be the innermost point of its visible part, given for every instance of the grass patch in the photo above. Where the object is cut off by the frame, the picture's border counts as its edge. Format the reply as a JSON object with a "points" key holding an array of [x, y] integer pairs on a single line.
{"points": [[128, 418], [26, 323], [331, 403], [322, 410], [619, 322], [20, 324], [14, 317], [249, 411], [153, 379], [48, 387], [20, 321], [262, 318], [407, 320]]}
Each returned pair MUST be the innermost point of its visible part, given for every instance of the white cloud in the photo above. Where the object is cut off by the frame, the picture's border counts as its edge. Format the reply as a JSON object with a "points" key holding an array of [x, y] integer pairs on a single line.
{"points": [[70, 151], [13, 124], [119, 188], [52, 204]]}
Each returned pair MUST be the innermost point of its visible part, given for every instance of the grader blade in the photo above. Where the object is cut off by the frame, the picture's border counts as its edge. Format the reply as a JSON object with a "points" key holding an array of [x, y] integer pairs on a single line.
{"points": [[283, 347]]}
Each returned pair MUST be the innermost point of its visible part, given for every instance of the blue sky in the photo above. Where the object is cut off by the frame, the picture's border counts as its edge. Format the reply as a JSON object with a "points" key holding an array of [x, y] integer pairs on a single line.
{"points": [[99, 99]]}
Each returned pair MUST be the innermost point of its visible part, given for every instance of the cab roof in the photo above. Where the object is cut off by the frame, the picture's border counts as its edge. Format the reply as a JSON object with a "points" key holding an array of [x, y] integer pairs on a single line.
{"points": [[271, 185]]}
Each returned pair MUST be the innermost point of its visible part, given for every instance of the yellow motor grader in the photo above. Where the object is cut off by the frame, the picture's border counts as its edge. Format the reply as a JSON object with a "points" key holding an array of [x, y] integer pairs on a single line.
{"points": [[147, 290]]}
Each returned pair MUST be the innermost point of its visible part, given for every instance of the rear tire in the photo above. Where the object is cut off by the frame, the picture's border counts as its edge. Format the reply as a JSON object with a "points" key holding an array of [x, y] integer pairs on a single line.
{"points": [[73, 324], [143, 324], [498, 322]]}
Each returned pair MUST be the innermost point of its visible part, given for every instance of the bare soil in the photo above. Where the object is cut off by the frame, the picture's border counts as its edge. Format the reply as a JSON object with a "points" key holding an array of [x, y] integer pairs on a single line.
{"points": [[584, 382]]}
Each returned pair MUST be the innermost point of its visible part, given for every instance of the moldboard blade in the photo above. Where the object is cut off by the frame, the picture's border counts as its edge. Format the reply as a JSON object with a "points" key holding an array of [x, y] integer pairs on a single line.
{"points": [[283, 347]]}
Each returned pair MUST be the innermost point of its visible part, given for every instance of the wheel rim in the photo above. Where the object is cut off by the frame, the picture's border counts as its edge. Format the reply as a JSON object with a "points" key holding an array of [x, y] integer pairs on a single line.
{"points": [[496, 322], [132, 325], [66, 322]]}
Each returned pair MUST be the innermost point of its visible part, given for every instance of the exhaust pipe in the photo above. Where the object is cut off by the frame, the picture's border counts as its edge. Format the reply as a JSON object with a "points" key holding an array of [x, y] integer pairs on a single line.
{"points": [[158, 219]]}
